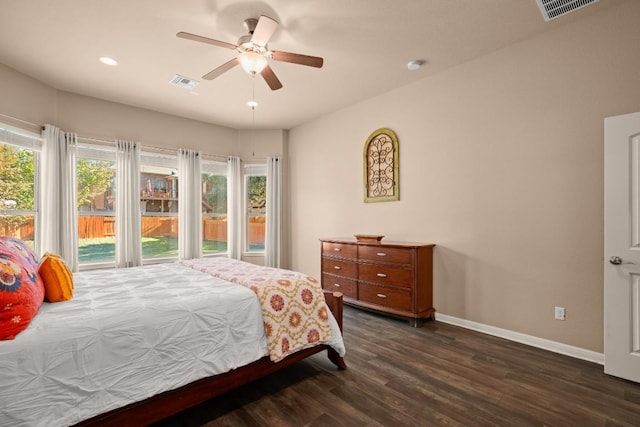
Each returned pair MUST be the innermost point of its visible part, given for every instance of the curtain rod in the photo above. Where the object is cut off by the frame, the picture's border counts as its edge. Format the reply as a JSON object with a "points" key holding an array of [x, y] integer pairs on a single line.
{"points": [[145, 147], [112, 143], [32, 125]]}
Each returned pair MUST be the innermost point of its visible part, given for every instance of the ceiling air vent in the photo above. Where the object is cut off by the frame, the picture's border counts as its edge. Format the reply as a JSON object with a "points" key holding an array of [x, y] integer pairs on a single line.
{"points": [[552, 9], [184, 82]]}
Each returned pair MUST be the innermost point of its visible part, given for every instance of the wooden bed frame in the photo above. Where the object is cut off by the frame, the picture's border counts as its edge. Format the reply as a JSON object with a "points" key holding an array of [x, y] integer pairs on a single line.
{"points": [[171, 402]]}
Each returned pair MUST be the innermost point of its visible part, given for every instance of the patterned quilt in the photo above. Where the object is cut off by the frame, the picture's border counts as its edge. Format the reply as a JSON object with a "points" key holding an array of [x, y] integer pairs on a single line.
{"points": [[293, 306]]}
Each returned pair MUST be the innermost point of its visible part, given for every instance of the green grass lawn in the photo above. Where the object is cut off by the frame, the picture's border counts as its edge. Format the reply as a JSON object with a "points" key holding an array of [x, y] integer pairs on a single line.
{"points": [[104, 249]]}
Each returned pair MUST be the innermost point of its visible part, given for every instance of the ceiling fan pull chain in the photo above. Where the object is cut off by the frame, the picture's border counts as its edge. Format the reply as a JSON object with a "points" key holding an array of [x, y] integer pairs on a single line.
{"points": [[253, 114]]}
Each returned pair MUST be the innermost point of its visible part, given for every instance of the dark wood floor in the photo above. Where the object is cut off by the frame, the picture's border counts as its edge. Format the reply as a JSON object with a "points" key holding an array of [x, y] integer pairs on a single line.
{"points": [[436, 375]]}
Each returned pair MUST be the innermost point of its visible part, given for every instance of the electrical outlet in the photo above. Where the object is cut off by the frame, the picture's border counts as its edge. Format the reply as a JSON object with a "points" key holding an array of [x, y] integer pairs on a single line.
{"points": [[559, 313]]}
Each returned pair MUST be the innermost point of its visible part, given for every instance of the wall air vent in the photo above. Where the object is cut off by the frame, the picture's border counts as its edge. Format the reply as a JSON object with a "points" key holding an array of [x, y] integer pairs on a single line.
{"points": [[184, 82], [552, 9]]}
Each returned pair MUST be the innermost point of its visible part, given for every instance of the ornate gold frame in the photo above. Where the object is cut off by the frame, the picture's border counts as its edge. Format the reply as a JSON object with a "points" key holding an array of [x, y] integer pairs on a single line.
{"points": [[380, 166]]}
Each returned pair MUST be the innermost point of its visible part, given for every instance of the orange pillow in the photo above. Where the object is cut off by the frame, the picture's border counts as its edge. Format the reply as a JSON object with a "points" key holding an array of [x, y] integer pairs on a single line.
{"points": [[21, 289], [57, 278]]}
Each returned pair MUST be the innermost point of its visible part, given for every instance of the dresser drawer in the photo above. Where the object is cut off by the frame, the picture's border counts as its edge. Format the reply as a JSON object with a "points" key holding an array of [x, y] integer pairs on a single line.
{"points": [[394, 298], [385, 254], [339, 249], [386, 275], [348, 287], [340, 267]]}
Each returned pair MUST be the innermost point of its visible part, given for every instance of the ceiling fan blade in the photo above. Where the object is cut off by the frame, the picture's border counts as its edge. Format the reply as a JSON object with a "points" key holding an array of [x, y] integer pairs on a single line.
{"points": [[270, 77], [296, 58], [221, 69], [207, 40], [264, 30]]}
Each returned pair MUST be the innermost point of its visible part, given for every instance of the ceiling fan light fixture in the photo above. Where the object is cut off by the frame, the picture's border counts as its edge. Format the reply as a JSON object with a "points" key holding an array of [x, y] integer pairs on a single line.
{"points": [[253, 52], [252, 62]]}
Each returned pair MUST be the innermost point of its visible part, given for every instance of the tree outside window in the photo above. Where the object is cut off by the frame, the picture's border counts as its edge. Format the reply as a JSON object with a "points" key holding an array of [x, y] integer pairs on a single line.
{"points": [[17, 192]]}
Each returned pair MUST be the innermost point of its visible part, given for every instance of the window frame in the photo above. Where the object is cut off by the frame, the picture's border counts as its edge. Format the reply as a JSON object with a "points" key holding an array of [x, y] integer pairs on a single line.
{"points": [[26, 140], [104, 153], [169, 162], [250, 170], [212, 167]]}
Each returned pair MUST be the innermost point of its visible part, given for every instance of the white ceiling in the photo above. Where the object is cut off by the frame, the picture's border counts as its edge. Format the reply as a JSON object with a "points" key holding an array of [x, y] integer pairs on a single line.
{"points": [[366, 45]]}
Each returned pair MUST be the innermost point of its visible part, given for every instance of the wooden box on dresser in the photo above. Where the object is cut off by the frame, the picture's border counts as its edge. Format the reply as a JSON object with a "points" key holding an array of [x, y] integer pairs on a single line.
{"points": [[391, 277]]}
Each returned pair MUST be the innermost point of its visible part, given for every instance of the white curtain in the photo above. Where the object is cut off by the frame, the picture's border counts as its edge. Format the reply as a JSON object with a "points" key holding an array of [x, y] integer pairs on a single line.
{"points": [[274, 207], [234, 219], [190, 204], [57, 219], [128, 217]]}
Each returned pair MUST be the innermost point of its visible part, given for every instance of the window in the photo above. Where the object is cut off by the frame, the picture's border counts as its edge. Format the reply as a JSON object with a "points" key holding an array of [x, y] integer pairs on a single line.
{"points": [[256, 207], [96, 181], [159, 206], [18, 183], [214, 207]]}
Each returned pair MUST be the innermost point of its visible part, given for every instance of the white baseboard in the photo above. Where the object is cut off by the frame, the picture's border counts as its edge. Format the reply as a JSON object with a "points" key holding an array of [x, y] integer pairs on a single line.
{"points": [[556, 347]]}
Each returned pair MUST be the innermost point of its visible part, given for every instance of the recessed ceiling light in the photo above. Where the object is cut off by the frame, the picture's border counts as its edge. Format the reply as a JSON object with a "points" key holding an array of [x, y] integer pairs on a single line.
{"points": [[252, 104], [108, 61]]}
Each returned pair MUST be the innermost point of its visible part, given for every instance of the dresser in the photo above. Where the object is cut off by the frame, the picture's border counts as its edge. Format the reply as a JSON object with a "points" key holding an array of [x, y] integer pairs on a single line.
{"points": [[390, 277]]}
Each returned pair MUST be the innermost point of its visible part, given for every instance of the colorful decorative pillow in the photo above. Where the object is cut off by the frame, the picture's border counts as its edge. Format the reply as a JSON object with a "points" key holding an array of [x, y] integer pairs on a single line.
{"points": [[57, 278], [21, 247], [21, 289]]}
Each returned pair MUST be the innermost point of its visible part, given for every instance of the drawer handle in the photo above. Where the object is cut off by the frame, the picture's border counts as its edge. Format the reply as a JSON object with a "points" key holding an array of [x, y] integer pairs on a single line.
{"points": [[381, 295], [381, 275], [381, 254], [337, 285], [337, 267], [337, 249]]}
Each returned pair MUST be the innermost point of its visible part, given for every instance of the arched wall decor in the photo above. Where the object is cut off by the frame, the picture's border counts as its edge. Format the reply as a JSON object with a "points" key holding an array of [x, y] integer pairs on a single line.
{"points": [[380, 157]]}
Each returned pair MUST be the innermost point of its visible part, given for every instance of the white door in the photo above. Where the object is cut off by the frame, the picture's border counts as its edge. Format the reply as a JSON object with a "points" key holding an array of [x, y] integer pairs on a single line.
{"points": [[622, 246]]}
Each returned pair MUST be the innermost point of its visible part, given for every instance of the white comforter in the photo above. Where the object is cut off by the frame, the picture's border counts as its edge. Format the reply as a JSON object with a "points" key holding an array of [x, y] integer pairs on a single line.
{"points": [[127, 334]]}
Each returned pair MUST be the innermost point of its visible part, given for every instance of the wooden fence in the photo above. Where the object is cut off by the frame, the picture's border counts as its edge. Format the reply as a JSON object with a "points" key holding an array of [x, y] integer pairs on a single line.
{"points": [[92, 227], [24, 231]]}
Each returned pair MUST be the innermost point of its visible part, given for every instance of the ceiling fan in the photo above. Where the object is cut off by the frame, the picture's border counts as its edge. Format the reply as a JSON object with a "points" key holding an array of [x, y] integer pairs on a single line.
{"points": [[253, 52]]}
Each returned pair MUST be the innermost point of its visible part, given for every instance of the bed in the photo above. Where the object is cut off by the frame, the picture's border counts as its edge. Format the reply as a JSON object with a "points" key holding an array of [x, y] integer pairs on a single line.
{"points": [[136, 345]]}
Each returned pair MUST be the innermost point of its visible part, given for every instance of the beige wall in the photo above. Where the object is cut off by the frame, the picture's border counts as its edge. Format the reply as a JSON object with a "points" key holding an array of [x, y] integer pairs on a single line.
{"points": [[26, 99], [255, 145], [501, 166], [109, 120], [31, 101]]}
